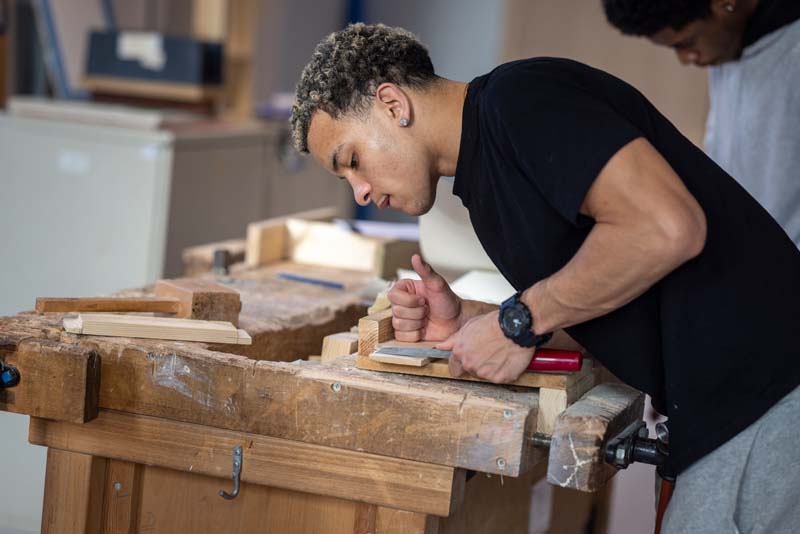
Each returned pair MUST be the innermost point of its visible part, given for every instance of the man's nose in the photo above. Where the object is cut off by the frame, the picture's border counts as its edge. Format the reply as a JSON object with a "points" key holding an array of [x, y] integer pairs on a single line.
{"points": [[361, 192], [688, 57]]}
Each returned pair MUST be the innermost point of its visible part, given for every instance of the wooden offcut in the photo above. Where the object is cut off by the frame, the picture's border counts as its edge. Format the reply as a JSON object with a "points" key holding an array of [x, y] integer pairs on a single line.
{"points": [[581, 431], [267, 241], [340, 344], [308, 239], [140, 326], [189, 298]]}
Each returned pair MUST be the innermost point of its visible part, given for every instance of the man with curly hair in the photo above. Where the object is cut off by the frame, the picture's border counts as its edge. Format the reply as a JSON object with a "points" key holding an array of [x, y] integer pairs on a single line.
{"points": [[752, 49], [610, 224]]}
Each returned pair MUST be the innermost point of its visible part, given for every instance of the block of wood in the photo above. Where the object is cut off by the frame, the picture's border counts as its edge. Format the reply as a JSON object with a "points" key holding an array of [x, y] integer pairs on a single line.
{"points": [[142, 326]]}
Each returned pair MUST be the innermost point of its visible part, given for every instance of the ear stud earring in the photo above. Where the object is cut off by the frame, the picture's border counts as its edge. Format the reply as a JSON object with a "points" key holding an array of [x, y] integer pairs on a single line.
{"points": [[404, 122]]}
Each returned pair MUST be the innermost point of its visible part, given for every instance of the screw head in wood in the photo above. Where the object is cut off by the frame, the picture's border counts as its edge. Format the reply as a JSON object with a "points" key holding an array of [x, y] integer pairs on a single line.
{"points": [[117, 486], [507, 414], [336, 387], [501, 463]]}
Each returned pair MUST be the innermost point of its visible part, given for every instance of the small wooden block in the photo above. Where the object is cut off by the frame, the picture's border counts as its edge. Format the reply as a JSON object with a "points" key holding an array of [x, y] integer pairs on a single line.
{"points": [[374, 329], [581, 431], [56, 382], [201, 299], [341, 344]]}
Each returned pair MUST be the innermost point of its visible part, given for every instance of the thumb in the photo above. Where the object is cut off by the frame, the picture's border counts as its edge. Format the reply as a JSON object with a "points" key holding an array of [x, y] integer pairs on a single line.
{"points": [[429, 277], [448, 343]]}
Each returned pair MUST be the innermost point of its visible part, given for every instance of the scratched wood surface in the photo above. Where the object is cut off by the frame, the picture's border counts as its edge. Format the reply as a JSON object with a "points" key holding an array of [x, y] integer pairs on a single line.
{"points": [[286, 319], [473, 426]]}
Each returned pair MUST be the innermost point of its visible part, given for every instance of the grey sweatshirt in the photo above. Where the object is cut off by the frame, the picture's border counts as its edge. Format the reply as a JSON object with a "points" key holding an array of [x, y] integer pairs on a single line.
{"points": [[753, 128]]}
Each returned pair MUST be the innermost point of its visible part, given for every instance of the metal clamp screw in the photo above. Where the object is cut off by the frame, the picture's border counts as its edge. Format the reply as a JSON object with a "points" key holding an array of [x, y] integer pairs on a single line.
{"points": [[501, 463]]}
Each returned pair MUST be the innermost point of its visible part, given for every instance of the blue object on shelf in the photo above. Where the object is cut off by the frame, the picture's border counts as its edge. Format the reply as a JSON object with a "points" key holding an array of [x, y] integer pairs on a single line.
{"points": [[309, 280]]}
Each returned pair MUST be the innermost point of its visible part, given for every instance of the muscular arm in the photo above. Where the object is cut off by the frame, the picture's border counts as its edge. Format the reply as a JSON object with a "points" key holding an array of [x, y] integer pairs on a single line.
{"points": [[646, 225]]}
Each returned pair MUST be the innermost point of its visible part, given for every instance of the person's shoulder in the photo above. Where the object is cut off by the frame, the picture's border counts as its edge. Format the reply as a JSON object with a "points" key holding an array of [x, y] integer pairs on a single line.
{"points": [[538, 70], [536, 83]]}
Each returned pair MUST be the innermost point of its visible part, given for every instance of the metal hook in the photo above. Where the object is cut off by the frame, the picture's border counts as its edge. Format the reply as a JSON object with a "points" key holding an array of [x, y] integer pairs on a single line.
{"points": [[237, 470]]}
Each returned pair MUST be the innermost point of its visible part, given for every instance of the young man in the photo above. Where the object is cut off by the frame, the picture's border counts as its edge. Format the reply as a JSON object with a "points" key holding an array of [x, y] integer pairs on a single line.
{"points": [[752, 49], [610, 224]]}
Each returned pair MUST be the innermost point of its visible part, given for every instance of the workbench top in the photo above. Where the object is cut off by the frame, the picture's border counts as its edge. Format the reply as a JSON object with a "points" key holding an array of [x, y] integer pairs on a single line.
{"points": [[247, 388]]}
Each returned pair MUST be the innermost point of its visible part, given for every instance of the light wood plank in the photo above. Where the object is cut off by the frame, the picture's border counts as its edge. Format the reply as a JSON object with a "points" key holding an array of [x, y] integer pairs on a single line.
{"points": [[179, 92], [298, 466], [73, 496], [140, 326]]}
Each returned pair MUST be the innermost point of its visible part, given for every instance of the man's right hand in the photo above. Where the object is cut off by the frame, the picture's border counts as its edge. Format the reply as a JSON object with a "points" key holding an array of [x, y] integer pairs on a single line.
{"points": [[426, 309]]}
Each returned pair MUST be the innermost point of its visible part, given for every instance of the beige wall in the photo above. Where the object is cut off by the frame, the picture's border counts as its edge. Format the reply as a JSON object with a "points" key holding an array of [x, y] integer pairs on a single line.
{"points": [[578, 29]]}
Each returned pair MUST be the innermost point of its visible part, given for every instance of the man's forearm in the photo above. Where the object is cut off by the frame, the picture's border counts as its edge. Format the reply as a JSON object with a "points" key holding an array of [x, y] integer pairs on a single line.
{"points": [[613, 266]]}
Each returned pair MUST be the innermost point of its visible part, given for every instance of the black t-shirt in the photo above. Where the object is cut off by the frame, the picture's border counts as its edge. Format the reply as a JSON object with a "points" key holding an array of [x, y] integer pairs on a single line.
{"points": [[716, 342]]}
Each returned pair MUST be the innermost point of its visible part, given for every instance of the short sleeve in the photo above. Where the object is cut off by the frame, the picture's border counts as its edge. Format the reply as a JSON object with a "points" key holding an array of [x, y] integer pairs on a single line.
{"points": [[559, 131]]}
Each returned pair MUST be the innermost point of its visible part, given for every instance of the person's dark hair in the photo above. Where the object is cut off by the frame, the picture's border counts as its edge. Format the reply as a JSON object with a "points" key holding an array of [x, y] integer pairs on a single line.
{"points": [[646, 17], [347, 67]]}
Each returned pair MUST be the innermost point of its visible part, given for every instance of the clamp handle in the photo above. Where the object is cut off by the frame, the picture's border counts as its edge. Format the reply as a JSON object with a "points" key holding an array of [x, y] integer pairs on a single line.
{"points": [[9, 376]]}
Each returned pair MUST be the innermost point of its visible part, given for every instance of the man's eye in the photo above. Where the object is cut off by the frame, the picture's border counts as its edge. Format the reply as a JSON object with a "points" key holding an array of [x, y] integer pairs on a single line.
{"points": [[353, 162]]}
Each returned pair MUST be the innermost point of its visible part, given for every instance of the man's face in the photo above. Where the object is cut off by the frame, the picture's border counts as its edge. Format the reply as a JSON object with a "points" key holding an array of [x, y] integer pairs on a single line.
{"points": [[381, 161], [703, 42]]}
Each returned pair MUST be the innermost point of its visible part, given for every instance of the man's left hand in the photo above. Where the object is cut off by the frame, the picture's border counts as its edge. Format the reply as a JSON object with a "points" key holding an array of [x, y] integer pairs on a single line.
{"points": [[481, 349]]}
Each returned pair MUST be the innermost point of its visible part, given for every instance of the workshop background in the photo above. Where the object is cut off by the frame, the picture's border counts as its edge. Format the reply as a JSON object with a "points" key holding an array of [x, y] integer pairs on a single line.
{"points": [[236, 167]]}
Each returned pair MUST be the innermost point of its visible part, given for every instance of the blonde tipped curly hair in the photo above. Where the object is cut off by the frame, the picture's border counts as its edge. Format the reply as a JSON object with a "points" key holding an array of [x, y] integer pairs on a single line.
{"points": [[347, 67]]}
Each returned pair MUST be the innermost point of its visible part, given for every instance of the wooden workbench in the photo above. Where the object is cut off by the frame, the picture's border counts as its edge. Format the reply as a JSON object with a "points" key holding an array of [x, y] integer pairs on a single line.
{"points": [[140, 432]]}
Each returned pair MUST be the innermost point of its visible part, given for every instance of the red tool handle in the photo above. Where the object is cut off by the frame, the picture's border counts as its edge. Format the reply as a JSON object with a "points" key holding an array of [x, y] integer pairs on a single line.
{"points": [[556, 360]]}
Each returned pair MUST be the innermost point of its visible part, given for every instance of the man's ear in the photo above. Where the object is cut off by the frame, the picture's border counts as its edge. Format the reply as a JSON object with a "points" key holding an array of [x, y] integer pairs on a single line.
{"points": [[723, 8], [393, 101]]}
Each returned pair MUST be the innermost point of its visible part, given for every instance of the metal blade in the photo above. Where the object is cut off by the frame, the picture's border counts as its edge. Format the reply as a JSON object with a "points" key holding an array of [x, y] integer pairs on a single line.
{"points": [[410, 352]]}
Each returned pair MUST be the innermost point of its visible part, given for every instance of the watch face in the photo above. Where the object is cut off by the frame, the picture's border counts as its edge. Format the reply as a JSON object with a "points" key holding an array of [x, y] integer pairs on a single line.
{"points": [[514, 320]]}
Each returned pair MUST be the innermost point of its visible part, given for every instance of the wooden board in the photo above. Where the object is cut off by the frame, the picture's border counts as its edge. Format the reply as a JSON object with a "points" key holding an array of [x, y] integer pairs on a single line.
{"points": [[581, 431], [142, 326], [381, 480], [267, 240], [306, 238], [57, 381], [179, 92], [375, 331]]}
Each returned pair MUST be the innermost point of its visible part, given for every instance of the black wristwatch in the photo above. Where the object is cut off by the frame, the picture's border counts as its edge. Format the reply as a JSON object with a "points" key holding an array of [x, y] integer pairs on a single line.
{"points": [[516, 322]]}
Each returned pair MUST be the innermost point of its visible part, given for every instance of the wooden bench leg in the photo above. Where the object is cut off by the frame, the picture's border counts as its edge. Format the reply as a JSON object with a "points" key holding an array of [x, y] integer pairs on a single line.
{"points": [[122, 493], [73, 493]]}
